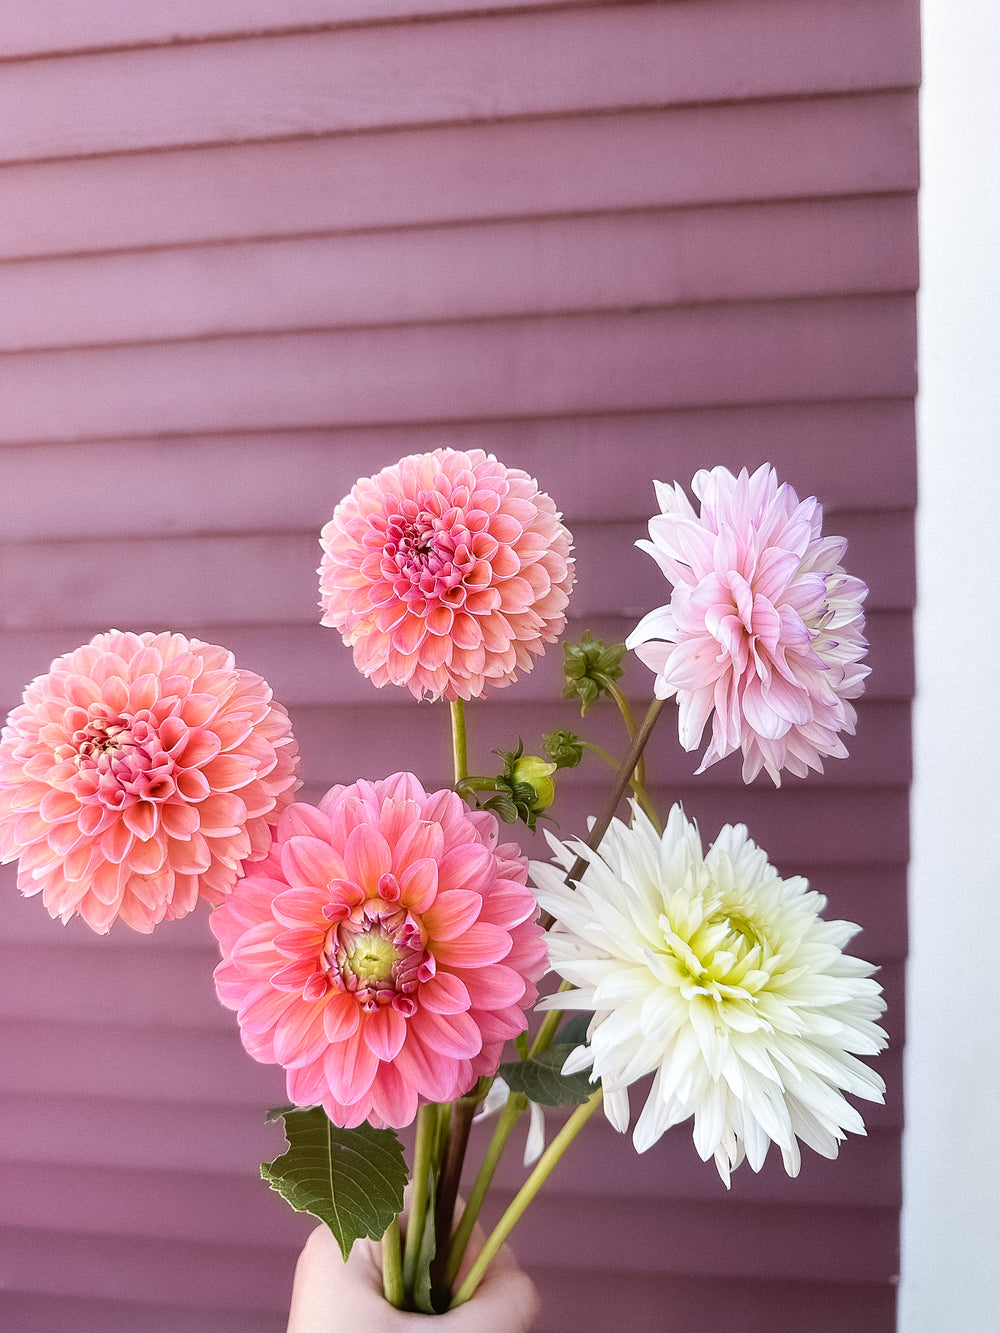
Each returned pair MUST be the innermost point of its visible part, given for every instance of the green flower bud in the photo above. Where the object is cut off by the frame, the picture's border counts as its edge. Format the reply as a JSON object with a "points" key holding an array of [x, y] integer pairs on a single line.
{"points": [[531, 771], [564, 748], [589, 667]]}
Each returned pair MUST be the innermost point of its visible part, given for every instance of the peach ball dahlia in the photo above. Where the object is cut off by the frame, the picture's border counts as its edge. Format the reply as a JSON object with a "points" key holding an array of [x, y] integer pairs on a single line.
{"points": [[446, 573], [137, 775]]}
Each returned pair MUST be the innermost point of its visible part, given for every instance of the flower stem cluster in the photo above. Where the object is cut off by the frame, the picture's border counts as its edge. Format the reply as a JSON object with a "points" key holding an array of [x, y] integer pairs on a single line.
{"points": [[384, 946]]}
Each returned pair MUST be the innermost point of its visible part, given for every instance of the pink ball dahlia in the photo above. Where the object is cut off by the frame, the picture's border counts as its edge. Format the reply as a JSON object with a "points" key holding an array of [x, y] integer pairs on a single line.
{"points": [[383, 952], [764, 629], [446, 573], [137, 775]]}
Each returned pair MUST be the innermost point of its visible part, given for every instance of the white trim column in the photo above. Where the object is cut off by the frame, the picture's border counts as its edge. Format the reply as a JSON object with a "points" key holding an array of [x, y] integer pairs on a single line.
{"points": [[951, 1216]]}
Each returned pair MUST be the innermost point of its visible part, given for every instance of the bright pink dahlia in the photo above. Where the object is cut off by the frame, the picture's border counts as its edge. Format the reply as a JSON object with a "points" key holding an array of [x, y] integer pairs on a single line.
{"points": [[763, 628], [137, 775], [384, 951], [446, 573]]}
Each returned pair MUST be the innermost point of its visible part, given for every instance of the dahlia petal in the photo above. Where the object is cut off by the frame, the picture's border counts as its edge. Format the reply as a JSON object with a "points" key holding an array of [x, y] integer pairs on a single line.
{"points": [[480, 945], [394, 1101], [447, 994], [451, 914], [308, 862], [367, 857], [493, 987], [116, 842], [341, 1018], [385, 1032], [299, 1036], [223, 815], [54, 805], [350, 1067], [419, 884]]}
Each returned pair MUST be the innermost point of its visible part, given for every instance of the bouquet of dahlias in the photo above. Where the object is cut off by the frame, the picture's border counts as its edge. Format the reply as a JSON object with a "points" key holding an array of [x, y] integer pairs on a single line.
{"points": [[386, 946]]}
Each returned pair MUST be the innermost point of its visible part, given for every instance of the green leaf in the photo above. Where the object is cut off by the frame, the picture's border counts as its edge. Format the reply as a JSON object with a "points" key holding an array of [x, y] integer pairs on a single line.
{"points": [[574, 1031], [541, 1078], [277, 1113], [352, 1179]]}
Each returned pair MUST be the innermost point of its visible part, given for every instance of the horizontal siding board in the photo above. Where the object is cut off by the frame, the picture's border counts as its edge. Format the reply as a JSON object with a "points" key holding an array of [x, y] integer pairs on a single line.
{"points": [[645, 1303], [695, 1238], [628, 159], [220, 1278], [660, 1236], [51, 26], [211, 1070], [161, 1137], [146, 584], [460, 70], [31, 1313], [631, 260], [594, 1300], [217, 1276], [228, 484], [123, 1062], [161, 1205], [879, 753], [874, 895], [163, 987], [734, 354], [307, 666], [152, 987], [46, 26], [170, 1139]]}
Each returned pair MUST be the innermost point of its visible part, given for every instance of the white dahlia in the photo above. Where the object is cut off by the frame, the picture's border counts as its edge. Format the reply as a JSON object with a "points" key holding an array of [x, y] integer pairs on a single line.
{"points": [[721, 979]]}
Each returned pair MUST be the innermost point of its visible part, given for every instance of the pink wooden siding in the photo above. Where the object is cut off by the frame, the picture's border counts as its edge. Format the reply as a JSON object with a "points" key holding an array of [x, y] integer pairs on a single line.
{"points": [[250, 252]]}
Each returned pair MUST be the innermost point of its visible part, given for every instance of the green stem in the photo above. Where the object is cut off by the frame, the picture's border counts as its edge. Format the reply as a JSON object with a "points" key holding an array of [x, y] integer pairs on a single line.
{"points": [[423, 1157], [459, 744], [641, 795], [524, 1196], [392, 1266], [625, 772], [509, 1116], [601, 753], [447, 1193], [624, 707]]}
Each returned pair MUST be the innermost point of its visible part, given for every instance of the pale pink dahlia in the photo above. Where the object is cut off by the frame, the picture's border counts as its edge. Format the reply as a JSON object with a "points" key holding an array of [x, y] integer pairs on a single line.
{"points": [[137, 775], [764, 629], [383, 952], [446, 573]]}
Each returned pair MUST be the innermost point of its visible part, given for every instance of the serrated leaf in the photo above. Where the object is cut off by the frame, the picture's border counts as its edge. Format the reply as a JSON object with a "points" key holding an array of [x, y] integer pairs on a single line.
{"points": [[352, 1179], [541, 1078]]}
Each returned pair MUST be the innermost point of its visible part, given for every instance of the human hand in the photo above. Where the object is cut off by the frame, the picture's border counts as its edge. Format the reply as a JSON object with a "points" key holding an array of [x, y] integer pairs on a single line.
{"points": [[331, 1296]]}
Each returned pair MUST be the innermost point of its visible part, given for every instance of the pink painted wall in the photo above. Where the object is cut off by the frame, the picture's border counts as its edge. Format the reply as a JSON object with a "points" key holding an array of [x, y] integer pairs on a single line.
{"points": [[242, 264]]}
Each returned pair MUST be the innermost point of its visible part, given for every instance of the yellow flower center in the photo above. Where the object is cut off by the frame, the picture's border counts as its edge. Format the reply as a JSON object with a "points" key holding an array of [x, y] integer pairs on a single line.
{"points": [[370, 957], [720, 950]]}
